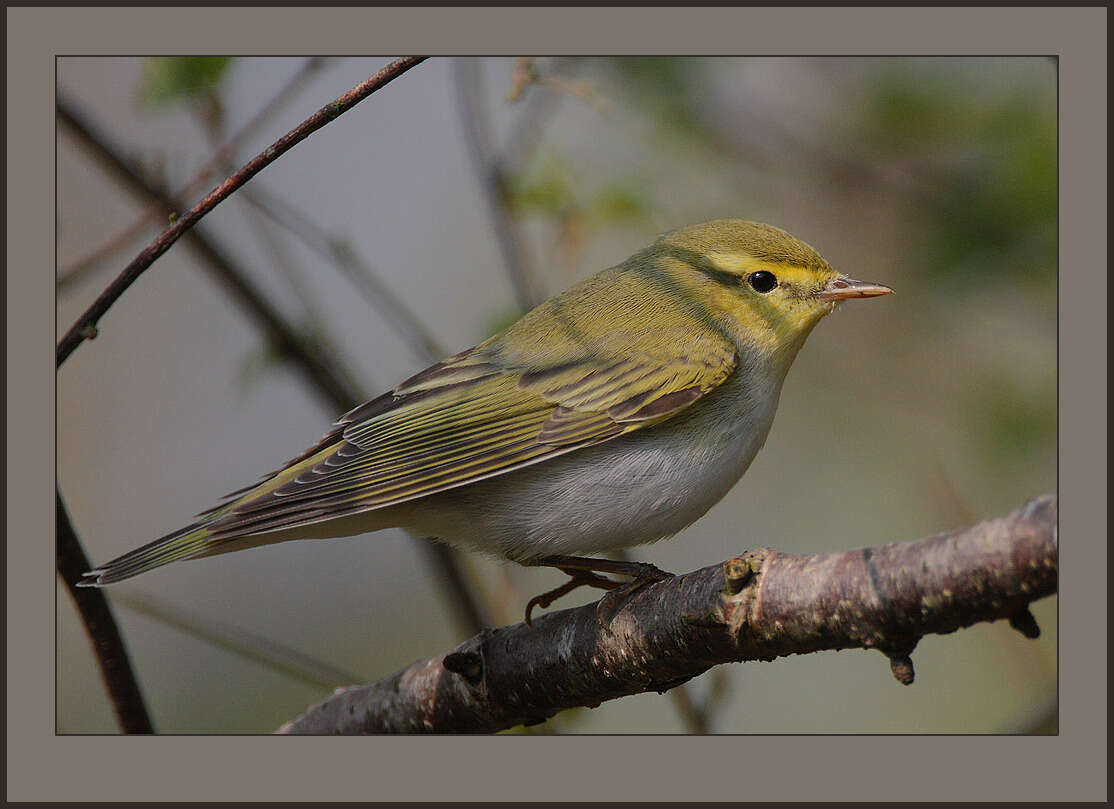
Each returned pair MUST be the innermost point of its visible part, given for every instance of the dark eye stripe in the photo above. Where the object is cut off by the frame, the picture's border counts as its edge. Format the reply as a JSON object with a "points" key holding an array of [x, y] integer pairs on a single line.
{"points": [[728, 279]]}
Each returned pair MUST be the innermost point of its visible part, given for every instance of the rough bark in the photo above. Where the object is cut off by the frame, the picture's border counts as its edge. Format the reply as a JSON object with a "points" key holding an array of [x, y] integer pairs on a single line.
{"points": [[757, 606]]}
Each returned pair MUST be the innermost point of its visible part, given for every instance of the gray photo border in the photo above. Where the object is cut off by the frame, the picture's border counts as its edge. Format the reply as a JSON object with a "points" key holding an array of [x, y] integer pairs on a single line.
{"points": [[1070, 766]]}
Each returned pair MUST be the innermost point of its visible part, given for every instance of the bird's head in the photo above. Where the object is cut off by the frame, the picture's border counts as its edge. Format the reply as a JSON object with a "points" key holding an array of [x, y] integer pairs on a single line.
{"points": [[769, 286]]}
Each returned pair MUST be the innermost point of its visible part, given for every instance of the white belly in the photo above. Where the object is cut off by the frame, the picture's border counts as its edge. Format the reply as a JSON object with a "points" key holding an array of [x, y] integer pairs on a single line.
{"points": [[639, 488]]}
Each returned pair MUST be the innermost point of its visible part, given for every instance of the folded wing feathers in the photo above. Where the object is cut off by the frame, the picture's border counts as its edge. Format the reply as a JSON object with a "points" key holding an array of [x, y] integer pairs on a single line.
{"points": [[459, 421]]}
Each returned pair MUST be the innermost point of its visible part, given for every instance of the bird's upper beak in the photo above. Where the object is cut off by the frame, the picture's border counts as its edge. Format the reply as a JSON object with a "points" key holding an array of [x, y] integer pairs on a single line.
{"points": [[840, 289]]}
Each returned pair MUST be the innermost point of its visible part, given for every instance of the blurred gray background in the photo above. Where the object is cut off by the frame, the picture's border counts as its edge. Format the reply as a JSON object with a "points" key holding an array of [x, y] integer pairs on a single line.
{"points": [[902, 417]]}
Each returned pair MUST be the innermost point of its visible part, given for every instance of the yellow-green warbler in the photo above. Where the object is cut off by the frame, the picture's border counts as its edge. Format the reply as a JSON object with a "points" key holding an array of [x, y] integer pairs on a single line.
{"points": [[613, 414]]}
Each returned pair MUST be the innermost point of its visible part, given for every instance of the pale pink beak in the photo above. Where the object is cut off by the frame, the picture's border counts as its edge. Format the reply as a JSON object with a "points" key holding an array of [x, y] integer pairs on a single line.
{"points": [[840, 289]]}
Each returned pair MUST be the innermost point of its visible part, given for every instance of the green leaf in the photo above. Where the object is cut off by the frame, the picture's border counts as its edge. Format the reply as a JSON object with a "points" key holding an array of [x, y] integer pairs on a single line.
{"points": [[547, 193], [670, 88], [1013, 421], [171, 79], [618, 204]]}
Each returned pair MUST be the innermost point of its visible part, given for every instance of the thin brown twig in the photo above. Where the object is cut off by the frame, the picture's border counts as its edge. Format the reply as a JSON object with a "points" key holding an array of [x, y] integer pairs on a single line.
{"points": [[760, 605], [79, 269], [86, 325], [280, 258]]}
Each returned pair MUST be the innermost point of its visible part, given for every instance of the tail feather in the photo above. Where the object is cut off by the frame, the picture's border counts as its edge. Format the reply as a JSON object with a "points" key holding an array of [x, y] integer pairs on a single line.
{"points": [[183, 544], [211, 533]]}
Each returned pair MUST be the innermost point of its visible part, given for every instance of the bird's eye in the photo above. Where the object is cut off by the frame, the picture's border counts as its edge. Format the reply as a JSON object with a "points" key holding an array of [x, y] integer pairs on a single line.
{"points": [[762, 281]]}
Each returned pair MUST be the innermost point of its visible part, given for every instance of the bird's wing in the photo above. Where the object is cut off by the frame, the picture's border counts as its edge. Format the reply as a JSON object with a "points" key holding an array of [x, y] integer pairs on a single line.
{"points": [[472, 417]]}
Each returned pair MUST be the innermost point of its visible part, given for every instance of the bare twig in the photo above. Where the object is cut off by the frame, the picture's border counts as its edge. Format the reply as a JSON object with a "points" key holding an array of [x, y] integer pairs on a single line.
{"points": [[85, 327], [371, 286], [470, 611], [526, 73], [104, 635], [693, 715], [493, 182], [757, 606], [211, 127], [525, 134], [154, 214]]}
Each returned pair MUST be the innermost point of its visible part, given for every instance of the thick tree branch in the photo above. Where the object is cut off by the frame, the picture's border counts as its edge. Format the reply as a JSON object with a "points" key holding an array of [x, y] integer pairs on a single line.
{"points": [[85, 327], [757, 606]]}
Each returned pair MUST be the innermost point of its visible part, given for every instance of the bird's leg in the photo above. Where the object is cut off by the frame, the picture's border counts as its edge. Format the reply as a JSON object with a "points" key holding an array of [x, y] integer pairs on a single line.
{"points": [[583, 571]]}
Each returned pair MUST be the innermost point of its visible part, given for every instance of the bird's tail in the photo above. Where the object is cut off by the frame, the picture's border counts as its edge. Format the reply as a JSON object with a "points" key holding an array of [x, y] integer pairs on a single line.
{"points": [[186, 543]]}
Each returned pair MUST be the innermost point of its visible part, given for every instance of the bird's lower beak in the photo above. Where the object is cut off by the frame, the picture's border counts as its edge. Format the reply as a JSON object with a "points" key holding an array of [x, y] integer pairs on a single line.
{"points": [[840, 289]]}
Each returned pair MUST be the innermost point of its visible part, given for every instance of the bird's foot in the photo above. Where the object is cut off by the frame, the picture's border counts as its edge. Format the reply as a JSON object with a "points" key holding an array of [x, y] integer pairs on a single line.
{"points": [[578, 578], [583, 571]]}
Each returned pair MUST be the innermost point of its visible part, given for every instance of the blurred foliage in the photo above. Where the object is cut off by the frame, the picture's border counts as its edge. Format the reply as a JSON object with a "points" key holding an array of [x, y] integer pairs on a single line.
{"points": [[986, 158], [1011, 422], [616, 203], [966, 147], [575, 209], [553, 191], [169, 80], [670, 89], [981, 146], [547, 191]]}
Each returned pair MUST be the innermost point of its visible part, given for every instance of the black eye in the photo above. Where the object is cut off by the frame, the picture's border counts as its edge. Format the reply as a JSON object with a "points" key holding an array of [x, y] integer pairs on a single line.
{"points": [[762, 281]]}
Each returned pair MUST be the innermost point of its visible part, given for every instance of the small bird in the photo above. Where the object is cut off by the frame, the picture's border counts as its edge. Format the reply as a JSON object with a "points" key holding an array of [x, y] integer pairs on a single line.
{"points": [[613, 414]]}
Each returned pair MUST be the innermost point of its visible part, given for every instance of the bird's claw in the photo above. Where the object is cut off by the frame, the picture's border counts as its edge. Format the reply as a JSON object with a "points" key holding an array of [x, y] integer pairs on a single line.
{"points": [[581, 571], [577, 578]]}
